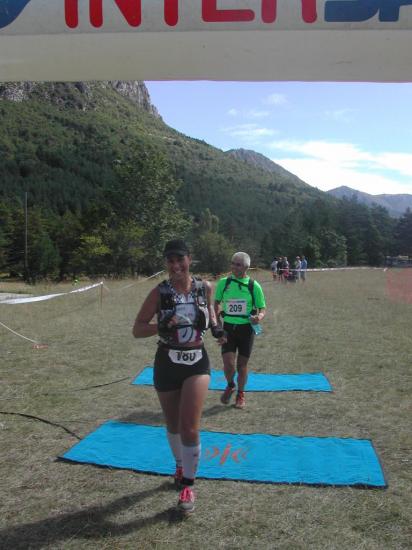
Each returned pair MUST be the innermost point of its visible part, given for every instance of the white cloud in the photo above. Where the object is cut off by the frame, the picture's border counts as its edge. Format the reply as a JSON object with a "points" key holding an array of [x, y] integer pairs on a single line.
{"points": [[341, 115], [255, 113], [328, 165], [248, 132], [399, 162], [252, 113], [275, 99]]}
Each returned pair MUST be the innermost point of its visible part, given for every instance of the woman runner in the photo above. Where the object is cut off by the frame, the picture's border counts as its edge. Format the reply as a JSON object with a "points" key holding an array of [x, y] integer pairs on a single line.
{"points": [[181, 367]]}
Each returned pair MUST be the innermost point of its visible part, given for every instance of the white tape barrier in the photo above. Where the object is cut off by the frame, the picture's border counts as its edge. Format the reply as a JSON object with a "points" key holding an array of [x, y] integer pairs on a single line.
{"points": [[18, 334], [49, 296], [143, 280], [319, 269], [155, 275]]}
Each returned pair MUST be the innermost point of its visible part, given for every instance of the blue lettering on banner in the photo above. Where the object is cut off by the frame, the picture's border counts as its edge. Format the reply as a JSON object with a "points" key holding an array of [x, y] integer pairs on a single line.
{"points": [[10, 10], [351, 11]]}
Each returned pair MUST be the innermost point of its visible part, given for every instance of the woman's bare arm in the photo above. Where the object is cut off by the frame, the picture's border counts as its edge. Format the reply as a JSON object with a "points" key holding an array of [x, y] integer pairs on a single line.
{"points": [[142, 327]]}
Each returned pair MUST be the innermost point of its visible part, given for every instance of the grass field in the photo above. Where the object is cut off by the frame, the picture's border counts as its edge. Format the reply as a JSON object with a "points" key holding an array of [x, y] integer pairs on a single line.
{"points": [[341, 323]]}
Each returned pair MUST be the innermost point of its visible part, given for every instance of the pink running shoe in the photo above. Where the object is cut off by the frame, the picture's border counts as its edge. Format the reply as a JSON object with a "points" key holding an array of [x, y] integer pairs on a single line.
{"points": [[240, 400], [186, 502], [178, 477], [227, 395]]}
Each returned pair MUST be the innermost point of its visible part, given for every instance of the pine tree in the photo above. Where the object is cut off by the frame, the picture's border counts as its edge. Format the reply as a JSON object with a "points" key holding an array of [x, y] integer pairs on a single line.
{"points": [[403, 234]]}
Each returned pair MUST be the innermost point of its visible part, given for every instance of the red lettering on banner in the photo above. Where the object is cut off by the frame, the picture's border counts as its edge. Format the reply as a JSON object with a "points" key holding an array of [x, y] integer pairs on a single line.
{"points": [[172, 12], [210, 13], [309, 13], [269, 8], [96, 12], [269, 11], [132, 12], [71, 11], [130, 9]]}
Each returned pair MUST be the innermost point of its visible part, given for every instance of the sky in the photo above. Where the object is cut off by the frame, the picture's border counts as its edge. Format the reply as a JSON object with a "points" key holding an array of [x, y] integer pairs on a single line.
{"points": [[328, 134]]}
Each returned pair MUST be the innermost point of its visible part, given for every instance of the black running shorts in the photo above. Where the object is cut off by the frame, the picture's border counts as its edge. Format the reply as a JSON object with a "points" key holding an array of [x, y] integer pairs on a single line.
{"points": [[239, 338], [172, 366]]}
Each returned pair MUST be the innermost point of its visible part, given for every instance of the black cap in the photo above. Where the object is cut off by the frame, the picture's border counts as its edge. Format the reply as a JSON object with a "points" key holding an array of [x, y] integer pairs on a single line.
{"points": [[177, 247]]}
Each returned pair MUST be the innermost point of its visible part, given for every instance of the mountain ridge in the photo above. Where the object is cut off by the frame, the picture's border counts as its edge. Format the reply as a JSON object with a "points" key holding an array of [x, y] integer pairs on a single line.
{"points": [[396, 204], [261, 161]]}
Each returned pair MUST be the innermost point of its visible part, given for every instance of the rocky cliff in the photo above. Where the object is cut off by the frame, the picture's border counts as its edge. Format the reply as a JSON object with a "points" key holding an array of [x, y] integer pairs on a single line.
{"points": [[79, 94]]}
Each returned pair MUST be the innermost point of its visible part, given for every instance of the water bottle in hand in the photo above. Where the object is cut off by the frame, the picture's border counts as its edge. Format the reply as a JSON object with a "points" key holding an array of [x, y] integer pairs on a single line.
{"points": [[257, 328]]}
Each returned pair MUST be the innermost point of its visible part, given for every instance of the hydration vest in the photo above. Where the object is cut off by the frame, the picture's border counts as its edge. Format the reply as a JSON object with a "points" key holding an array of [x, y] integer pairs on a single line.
{"points": [[250, 285], [168, 303]]}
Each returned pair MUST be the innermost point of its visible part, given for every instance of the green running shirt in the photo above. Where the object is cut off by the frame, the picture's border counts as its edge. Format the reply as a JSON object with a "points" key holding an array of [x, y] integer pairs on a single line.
{"points": [[237, 299]]}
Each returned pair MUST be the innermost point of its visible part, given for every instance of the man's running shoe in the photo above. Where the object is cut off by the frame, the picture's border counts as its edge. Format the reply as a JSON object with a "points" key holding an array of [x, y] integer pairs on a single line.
{"points": [[227, 395], [178, 477], [186, 502], [240, 400]]}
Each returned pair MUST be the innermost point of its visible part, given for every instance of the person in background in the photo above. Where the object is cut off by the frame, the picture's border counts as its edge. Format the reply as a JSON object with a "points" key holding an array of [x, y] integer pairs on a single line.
{"points": [[280, 268], [303, 269], [298, 266], [241, 303], [285, 269], [274, 268], [184, 311]]}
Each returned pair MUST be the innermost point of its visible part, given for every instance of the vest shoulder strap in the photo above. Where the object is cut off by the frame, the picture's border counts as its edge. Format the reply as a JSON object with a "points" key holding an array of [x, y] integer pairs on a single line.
{"points": [[166, 298], [250, 285]]}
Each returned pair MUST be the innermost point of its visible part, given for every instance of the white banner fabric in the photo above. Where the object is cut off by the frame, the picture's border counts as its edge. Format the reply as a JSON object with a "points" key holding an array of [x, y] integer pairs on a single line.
{"points": [[48, 296]]}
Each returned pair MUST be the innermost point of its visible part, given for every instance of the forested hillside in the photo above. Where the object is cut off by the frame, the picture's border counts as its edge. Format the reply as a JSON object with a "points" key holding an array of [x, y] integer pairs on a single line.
{"points": [[107, 182]]}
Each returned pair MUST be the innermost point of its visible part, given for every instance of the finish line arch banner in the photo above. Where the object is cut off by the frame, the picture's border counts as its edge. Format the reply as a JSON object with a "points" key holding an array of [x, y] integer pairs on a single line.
{"points": [[338, 40]]}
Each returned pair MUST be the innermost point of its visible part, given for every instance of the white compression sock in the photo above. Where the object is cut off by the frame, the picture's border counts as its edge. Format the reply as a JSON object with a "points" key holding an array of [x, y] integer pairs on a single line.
{"points": [[176, 445], [190, 457]]}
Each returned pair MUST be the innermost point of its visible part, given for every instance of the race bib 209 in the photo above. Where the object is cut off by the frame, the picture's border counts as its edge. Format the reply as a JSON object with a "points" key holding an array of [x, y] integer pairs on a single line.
{"points": [[236, 307]]}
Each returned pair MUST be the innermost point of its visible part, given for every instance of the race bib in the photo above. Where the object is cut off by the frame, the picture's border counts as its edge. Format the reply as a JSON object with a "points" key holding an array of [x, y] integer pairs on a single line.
{"points": [[185, 357], [236, 307]]}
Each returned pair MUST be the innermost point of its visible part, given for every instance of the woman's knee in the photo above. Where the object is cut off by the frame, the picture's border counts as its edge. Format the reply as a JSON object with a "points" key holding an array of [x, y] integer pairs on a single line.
{"points": [[172, 426], [189, 434]]}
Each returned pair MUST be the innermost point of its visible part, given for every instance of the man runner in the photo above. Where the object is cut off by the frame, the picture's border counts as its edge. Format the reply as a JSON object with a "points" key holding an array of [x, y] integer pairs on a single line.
{"points": [[241, 303]]}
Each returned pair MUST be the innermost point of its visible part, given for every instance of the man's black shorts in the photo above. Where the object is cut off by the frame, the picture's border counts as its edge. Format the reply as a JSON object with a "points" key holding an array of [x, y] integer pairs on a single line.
{"points": [[239, 338], [169, 375]]}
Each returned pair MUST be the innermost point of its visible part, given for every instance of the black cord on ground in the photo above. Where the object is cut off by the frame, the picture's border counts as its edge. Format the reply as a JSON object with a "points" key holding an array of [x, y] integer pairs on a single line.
{"points": [[88, 387], [31, 417], [67, 391]]}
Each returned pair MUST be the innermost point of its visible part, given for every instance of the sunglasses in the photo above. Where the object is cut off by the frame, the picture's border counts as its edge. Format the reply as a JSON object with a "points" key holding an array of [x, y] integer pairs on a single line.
{"points": [[237, 264]]}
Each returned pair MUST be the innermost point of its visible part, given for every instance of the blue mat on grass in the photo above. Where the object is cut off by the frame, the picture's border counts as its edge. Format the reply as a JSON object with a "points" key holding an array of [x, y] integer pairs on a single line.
{"points": [[257, 382], [246, 457]]}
